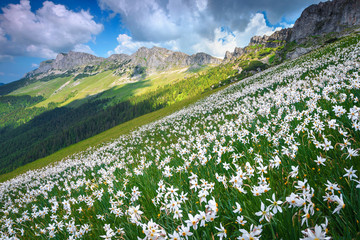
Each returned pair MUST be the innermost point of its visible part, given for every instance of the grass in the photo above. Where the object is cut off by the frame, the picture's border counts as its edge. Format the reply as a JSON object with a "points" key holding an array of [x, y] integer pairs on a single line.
{"points": [[64, 91], [44, 89], [104, 137]]}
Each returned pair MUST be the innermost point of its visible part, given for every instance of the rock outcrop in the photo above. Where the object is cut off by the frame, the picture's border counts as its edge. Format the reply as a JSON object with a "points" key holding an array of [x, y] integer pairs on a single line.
{"points": [[276, 39], [238, 52], [326, 17], [298, 52], [67, 61]]}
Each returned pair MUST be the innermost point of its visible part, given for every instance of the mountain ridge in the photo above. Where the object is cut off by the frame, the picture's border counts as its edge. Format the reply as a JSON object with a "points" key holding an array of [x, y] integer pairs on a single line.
{"points": [[155, 58]]}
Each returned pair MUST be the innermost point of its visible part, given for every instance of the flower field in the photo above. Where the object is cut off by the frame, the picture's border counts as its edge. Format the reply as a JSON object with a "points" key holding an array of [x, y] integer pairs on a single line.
{"points": [[275, 156]]}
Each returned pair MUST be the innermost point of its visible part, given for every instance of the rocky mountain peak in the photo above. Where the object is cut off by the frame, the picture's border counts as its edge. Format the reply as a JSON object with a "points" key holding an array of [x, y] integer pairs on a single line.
{"points": [[66, 61], [203, 59], [326, 17], [155, 58], [274, 40], [118, 57]]}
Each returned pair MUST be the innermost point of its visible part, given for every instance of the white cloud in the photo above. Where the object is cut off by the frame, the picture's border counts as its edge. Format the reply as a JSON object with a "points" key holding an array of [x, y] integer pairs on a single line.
{"points": [[165, 20], [83, 48], [51, 29], [128, 46], [191, 26], [224, 40], [157, 21], [227, 40], [34, 65]]}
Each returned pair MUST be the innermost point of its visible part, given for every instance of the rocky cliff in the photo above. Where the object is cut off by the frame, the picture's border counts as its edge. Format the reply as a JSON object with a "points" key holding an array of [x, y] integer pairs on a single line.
{"points": [[326, 17], [276, 39], [67, 61]]}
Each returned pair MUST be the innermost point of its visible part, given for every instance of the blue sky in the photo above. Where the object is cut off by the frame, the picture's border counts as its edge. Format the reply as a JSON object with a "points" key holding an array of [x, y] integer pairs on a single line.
{"points": [[33, 31]]}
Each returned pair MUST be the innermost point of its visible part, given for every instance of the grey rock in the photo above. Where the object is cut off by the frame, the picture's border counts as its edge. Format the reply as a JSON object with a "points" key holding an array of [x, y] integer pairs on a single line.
{"points": [[72, 59], [276, 39], [65, 62], [228, 55], [202, 59], [118, 58], [238, 52], [298, 52], [157, 58], [258, 40], [326, 17]]}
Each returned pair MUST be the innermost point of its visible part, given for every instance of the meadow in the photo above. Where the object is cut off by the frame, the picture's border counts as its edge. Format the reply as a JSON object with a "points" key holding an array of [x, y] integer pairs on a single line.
{"points": [[274, 156]]}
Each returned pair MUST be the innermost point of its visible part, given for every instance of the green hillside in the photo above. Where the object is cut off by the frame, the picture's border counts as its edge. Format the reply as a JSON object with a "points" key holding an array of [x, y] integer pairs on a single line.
{"points": [[105, 136], [63, 91], [32, 130], [274, 156]]}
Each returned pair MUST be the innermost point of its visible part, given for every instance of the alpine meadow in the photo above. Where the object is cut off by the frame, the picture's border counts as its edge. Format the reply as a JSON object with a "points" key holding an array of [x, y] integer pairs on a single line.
{"points": [[159, 144]]}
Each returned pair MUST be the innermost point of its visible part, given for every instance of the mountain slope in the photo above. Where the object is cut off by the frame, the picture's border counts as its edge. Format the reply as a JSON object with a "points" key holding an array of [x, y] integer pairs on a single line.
{"points": [[272, 156], [61, 127], [77, 95]]}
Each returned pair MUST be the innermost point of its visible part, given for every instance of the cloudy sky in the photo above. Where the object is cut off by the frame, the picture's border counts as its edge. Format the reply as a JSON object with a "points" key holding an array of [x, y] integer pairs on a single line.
{"points": [[32, 31]]}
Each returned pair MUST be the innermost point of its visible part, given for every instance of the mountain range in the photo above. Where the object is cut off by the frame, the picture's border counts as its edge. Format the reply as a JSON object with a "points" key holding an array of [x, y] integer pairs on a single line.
{"points": [[330, 19], [153, 59]]}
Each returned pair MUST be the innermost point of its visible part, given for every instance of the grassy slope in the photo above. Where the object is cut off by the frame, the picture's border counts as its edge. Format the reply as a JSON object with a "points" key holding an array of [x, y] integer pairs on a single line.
{"points": [[44, 89], [205, 131], [66, 90], [103, 137]]}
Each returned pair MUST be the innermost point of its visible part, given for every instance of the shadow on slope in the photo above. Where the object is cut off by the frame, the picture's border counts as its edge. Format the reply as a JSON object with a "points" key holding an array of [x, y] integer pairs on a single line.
{"points": [[61, 127]]}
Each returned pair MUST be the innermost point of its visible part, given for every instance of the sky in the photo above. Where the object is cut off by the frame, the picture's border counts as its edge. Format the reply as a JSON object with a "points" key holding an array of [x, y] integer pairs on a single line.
{"points": [[32, 31]]}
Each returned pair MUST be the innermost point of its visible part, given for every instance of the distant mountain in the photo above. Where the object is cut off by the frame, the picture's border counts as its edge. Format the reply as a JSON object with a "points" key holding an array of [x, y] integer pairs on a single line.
{"points": [[1, 83], [151, 59], [143, 62]]}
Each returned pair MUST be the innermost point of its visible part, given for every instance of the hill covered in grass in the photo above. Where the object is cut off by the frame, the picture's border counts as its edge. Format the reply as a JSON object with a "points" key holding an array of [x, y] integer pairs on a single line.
{"points": [[274, 156]]}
